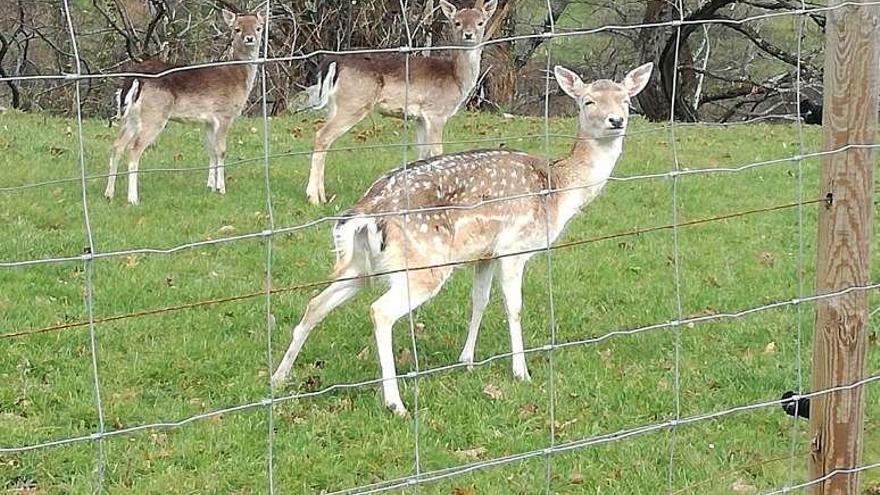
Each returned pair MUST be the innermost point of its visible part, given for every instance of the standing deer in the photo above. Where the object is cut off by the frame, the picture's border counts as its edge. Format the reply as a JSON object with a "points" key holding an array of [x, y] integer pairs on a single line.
{"points": [[351, 86], [462, 215], [213, 96]]}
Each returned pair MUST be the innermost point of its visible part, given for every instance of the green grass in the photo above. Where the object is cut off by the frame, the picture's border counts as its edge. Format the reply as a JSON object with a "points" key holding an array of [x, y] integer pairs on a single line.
{"points": [[175, 365]]}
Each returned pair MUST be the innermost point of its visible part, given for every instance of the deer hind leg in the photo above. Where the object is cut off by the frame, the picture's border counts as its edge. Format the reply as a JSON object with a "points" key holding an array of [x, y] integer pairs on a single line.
{"points": [[318, 308], [150, 128], [340, 121], [423, 285], [483, 272], [511, 273], [126, 135]]}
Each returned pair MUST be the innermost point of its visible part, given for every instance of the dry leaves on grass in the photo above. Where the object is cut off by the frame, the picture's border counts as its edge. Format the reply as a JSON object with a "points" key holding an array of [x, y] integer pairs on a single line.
{"points": [[493, 392], [576, 478], [463, 490], [770, 348]]}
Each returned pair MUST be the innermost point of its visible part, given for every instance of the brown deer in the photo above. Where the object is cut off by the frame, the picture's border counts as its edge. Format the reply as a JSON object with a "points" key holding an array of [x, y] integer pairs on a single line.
{"points": [[213, 96], [350, 86], [499, 207]]}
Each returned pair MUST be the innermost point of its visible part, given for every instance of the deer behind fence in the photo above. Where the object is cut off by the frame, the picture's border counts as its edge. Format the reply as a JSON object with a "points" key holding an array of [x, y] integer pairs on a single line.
{"points": [[213, 96], [496, 206], [429, 90]]}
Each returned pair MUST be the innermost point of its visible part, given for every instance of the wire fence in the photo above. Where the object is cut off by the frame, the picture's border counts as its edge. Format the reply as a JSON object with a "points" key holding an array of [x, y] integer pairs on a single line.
{"points": [[267, 236]]}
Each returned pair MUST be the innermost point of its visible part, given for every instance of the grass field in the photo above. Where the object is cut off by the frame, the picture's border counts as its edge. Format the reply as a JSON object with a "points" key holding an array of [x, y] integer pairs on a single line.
{"points": [[169, 367]]}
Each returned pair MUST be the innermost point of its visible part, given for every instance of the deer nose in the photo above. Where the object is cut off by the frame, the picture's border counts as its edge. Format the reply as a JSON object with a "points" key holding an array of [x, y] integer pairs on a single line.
{"points": [[469, 36], [249, 39], [616, 122]]}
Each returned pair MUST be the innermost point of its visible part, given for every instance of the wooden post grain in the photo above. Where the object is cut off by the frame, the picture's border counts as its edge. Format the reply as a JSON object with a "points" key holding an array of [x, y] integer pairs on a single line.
{"points": [[839, 338]]}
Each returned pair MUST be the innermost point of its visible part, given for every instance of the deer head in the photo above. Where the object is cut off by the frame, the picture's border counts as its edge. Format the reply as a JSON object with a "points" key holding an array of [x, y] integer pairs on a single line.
{"points": [[603, 105], [246, 31], [468, 25]]}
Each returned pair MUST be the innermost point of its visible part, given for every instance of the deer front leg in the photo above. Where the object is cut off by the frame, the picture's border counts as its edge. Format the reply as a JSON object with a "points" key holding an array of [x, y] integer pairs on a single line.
{"points": [[435, 136], [511, 272], [480, 296], [222, 130], [212, 157]]}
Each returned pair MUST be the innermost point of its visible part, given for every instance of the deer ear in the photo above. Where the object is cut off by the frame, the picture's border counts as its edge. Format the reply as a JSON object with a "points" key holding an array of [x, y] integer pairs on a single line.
{"points": [[448, 9], [489, 8], [229, 17], [568, 81], [638, 78]]}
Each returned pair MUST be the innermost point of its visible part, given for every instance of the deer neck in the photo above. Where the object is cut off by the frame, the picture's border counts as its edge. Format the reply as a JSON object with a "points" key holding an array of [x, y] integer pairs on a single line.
{"points": [[590, 162], [243, 53], [467, 68], [581, 175]]}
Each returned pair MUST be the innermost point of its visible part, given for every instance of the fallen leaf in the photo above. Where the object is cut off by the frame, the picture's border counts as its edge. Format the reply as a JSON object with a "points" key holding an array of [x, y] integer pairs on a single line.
{"points": [[605, 356], [527, 410], [159, 454], [560, 427], [740, 486], [404, 356], [576, 478], [770, 348], [131, 261], [458, 490], [767, 259], [226, 229], [470, 454], [364, 354], [494, 392]]}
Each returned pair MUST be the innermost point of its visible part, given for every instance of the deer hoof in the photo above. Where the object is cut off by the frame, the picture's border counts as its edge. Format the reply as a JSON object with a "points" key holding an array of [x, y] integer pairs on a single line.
{"points": [[397, 408]]}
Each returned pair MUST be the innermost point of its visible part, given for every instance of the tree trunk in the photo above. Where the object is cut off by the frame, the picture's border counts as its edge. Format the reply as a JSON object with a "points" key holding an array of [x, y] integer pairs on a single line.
{"points": [[653, 100]]}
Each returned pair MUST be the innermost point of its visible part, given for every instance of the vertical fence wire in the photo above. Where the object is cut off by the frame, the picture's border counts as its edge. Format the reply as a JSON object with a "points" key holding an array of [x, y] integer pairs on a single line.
{"points": [[270, 222], [416, 427], [676, 255], [551, 310], [800, 22], [88, 261]]}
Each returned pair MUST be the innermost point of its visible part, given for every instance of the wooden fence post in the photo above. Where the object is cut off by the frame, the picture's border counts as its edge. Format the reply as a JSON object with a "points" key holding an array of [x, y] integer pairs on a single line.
{"points": [[852, 55]]}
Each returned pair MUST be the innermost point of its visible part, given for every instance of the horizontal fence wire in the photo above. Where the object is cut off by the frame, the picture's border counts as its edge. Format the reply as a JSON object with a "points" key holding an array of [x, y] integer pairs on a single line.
{"points": [[695, 320], [322, 283], [257, 160], [561, 33], [333, 218]]}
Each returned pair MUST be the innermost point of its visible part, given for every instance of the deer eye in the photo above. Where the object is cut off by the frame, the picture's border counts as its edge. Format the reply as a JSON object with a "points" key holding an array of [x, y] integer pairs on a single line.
{"points": [[458, 24], [237, 30], [480, 24], [588, 103]]}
